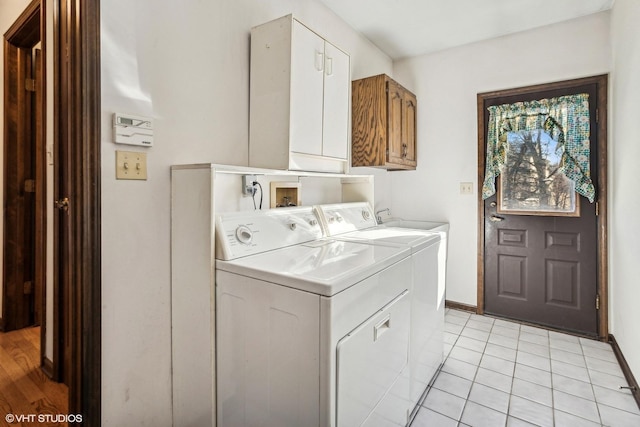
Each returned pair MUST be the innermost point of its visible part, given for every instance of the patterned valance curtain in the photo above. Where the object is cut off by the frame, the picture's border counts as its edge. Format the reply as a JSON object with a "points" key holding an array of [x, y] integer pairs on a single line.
{"points": [[565, 119]]}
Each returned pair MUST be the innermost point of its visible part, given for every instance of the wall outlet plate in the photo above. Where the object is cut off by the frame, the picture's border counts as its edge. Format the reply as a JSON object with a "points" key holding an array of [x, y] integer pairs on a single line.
{"points": [[247, 184]]}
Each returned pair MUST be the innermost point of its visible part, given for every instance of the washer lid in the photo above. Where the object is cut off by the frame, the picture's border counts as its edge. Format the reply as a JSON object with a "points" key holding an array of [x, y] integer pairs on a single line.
{"points": [[324, 267], [381, 235]]}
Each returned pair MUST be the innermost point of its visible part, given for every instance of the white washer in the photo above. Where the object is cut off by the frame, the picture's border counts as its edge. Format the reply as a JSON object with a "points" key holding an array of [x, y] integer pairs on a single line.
{"points": [[355, 222], [310, 331]]}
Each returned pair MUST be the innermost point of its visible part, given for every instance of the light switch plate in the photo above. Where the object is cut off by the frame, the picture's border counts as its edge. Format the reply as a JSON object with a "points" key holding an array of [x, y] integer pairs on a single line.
{"points": [[131, 165], [466, 188]]}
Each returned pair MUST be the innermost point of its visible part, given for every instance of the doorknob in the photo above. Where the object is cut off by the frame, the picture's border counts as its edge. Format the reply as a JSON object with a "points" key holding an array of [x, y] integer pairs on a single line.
{"points": [[496, 218], [62, 204]]}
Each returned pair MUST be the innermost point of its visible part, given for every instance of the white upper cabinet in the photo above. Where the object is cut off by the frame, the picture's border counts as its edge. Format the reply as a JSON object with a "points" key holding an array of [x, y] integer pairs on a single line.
{"points": [[337, 82], [307, 90], [299, 105]]}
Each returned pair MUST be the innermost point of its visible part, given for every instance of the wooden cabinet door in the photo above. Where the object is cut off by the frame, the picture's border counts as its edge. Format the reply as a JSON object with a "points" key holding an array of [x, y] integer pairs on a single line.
{"points": [[409, 127], [335, 134], [307, 69], [394, 122]]}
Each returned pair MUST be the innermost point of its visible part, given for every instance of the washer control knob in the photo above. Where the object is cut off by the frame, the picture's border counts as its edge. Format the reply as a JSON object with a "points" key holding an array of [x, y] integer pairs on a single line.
{"points": [[313, 222], [332, 220], [339, 218], [292, 226], [244, 234], [366, 215]]}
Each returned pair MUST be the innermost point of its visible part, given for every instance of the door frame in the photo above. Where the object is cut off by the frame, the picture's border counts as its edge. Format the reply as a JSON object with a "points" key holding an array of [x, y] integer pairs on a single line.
{"points": [[77, 120], [601, 82]]}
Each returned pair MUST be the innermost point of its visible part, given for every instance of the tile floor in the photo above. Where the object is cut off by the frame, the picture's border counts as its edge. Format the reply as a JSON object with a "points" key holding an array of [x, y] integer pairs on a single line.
{"points": [[500, 373]]}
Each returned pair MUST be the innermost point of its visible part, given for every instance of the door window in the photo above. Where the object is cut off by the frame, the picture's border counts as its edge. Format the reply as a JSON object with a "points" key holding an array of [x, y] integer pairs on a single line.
{"points": [[533, 181], [518, 126]]}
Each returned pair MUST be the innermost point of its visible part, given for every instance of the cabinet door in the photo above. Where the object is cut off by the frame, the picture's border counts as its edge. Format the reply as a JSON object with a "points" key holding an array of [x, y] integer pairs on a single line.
{"points": [[409, 131], [395, 122], [337, 79], [307, 69]]}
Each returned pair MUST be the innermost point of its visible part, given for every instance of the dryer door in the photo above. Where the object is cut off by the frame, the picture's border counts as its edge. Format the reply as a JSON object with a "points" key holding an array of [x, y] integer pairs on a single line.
{"points": [[369, 361]]}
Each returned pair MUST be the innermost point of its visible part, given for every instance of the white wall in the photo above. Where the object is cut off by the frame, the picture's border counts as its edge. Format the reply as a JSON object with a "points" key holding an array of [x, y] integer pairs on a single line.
{"points": [[187, 65], [624, 152], [446, 84]]}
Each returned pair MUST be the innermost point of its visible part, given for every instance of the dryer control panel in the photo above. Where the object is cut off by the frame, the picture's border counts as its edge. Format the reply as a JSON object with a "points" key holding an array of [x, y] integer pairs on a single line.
{"points": [[240, 234], [345, 217]]}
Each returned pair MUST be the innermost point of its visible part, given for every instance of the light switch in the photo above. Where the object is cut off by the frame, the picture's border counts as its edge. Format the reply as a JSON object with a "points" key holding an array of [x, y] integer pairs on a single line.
{"points": [[131, 165], [466, 188]]}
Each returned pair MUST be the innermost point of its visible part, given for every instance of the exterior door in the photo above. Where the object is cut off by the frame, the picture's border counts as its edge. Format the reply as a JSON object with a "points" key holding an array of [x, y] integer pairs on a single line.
{"points": [[542, 266]]}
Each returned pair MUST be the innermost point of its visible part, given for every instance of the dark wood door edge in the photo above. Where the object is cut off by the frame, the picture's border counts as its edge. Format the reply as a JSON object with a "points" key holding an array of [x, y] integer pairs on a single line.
{"points": [[601, 110], [1, 325], [460, 306], [77, 127], [633, 384]]}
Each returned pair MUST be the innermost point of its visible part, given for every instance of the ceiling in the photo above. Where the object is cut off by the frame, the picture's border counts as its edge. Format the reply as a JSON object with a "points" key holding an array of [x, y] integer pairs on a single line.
{"points": [[403, 28]]}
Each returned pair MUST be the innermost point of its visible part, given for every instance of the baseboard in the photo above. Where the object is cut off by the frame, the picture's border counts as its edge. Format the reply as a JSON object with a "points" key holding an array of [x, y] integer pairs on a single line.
{"points": [[460, 306], [47, 367], [625, 369]]}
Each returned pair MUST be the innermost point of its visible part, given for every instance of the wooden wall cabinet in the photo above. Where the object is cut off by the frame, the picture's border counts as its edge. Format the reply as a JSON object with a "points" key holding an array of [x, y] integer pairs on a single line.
{"points": [[299, 99], [383, 124]]}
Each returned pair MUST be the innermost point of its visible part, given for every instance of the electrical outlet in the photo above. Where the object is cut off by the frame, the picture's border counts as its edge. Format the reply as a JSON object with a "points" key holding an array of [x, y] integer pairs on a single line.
{"points": [[466, 188], [247, 184]]}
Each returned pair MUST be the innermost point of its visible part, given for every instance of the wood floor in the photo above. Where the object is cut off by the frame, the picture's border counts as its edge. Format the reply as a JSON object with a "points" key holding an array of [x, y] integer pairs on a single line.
{"points": [[25, 391]]}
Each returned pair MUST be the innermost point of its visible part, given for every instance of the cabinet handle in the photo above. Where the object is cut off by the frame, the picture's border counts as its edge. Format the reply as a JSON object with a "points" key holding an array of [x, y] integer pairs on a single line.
{"points": [[329, 66], [383, 326], [319, 60]]}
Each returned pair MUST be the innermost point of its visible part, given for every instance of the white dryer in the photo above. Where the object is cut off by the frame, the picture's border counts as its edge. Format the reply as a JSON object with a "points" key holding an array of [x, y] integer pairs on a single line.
{"points": [[354, 222], [310, 331]]}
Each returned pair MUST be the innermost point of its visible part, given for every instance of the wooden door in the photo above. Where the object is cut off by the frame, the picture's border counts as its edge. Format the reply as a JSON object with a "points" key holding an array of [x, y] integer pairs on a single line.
{"points": [[395, 122], [409, 128], [65, 294], [545, 269], [24, 210]]}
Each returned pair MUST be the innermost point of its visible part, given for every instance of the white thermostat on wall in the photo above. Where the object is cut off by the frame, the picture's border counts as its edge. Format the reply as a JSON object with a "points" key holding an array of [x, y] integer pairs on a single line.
{"points": [[132, 130]]}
